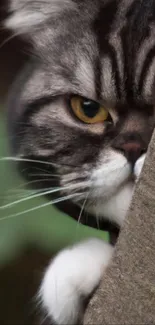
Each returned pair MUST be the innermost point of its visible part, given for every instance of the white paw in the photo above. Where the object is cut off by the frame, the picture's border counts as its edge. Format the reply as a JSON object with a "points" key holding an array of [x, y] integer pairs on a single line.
{"points": [[138, 166], [71, 277]]}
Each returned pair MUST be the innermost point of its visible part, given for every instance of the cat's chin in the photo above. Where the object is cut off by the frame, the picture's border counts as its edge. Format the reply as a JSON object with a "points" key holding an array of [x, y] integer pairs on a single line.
{"points": [[114, 209]]}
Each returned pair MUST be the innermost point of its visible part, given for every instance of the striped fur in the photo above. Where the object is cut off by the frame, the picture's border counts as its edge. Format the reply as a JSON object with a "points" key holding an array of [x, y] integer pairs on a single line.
{"points": [[124, 31]]}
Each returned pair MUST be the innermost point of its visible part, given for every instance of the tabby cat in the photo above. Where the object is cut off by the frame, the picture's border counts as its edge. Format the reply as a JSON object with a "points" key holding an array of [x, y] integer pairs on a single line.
{"points": [[81, 115]]}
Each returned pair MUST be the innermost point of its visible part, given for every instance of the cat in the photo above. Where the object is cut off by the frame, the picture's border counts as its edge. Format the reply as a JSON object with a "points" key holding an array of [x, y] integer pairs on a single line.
{"points": [[83, 112]]}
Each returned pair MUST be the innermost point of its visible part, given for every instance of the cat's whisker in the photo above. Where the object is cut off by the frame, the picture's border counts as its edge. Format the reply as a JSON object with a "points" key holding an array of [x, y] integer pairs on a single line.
{"points": [[97, 217], [23, 123], [8, 39], [40, 169], [25, 193], [51, 191], [29, 183], [83, 206], [97, 222], [30, 197], [15, 195], [45, 175], [18, 159], [64, 198], [81, 211], [21, 192], [43, 318]]}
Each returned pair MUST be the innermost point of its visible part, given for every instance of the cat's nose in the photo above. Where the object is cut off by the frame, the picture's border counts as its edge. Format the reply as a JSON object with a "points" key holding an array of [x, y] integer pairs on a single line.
{"points": [[132, 150]]}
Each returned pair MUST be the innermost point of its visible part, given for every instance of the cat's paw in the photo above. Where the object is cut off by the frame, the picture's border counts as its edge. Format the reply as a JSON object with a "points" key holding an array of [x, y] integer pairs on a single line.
{"points": [[71, 278], [138, 166]]}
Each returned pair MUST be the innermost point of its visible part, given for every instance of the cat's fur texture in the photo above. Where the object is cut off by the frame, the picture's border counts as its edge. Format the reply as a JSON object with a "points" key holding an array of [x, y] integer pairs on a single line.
{"points": [[103, 50]]}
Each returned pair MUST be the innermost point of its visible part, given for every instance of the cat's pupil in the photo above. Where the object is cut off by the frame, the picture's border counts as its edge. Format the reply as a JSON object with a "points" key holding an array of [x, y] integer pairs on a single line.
{"points": [[90, 108]]}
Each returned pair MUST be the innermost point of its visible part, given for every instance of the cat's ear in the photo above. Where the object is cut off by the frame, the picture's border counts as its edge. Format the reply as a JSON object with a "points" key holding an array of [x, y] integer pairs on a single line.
{"points": [[25, 16]]}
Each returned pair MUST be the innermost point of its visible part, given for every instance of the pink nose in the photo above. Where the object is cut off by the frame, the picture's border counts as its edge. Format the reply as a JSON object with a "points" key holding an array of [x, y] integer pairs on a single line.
{"points": [[131, 146], [132, 150]]}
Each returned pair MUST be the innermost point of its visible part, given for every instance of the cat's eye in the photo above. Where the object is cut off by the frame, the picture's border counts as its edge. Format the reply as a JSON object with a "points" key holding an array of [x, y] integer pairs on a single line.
{"points": [[88, 111]]}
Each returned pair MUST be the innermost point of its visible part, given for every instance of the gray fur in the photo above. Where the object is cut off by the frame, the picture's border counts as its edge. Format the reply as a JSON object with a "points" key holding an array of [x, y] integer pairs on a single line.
{"points": [[94, 48], [28, 15]]}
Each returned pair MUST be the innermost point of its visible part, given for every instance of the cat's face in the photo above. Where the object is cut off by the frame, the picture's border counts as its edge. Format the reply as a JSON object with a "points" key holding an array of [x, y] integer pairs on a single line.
{"points": [[85, 104]]}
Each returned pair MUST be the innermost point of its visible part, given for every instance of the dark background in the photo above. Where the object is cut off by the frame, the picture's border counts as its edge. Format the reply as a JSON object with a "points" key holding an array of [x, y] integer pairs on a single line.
{"points": [[20, 278]]}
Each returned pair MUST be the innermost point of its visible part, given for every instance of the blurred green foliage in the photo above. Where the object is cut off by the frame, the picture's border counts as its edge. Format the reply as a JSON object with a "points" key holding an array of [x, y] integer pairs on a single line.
{"points": [[45, 227]]}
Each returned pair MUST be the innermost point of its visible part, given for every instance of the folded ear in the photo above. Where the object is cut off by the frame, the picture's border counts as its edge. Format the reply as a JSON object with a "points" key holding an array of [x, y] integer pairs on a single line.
{"points": [[27, 15]]}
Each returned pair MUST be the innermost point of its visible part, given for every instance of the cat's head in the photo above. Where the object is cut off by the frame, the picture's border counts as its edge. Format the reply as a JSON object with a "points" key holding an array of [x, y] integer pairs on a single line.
{"points": [[85, 103]]}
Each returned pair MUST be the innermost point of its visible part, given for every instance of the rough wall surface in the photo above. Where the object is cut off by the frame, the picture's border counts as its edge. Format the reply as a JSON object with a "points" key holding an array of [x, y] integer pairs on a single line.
{"points": [[127, 293]]}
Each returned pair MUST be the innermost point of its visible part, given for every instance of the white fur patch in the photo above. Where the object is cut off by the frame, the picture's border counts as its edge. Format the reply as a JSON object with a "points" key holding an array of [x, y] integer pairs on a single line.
{"points": [[139, 165], [73, 274], [116, 208], [111, 187], [28, 14], [112, 171]]}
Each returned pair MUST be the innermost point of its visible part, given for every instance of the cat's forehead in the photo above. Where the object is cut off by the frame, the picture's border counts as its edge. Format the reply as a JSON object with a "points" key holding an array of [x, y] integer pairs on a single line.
{"points": [[103, 55], [93, 79], [45, 82], [91, 48]]}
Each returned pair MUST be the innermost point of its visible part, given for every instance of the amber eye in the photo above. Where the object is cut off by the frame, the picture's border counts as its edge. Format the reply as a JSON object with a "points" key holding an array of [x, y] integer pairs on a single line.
{"points": [[88, 110]]}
